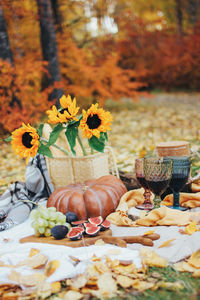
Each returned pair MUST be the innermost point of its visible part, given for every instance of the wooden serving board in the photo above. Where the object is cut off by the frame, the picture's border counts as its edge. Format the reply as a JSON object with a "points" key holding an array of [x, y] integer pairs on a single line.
{"points": [[66, 242]]}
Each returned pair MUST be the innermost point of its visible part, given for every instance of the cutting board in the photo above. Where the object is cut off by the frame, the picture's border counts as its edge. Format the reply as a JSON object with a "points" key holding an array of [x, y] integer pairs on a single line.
{"points": [[86, 241]]}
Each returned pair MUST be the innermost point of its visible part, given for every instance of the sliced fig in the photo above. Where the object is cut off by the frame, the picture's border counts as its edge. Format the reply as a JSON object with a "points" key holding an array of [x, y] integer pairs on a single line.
{"points": [[87, 225], [75, 233], [79, 223], [96, 221], [92, 231], [105, 225]]}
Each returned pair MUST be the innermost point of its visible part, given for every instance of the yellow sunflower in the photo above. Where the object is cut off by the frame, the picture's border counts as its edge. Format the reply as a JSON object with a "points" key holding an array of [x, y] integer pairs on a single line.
{"points": [[25, 141], [95, 120], [67, 112], [53, 115]]}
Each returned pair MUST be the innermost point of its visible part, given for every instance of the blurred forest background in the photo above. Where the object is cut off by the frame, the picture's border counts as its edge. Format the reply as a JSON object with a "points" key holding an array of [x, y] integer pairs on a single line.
{"points": [[94, 50]]}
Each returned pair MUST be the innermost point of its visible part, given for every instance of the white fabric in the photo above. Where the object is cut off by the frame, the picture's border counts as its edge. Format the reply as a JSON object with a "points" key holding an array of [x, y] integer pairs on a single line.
{"points": [[11, 251], [183, 245]]}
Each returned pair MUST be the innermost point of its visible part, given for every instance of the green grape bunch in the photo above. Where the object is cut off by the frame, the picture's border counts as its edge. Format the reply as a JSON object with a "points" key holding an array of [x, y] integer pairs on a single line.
{"points": [[46, 218]]}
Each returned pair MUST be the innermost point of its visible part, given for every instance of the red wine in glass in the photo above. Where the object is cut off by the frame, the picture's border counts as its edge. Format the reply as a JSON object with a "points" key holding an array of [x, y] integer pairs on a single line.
{"points": [[158, 173], [158, 186], [142, 181], [139, 170]]}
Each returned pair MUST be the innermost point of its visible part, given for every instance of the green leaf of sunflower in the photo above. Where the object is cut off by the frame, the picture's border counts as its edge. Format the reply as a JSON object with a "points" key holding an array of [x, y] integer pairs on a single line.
{"points": [[103, 137], [106, 135], [97, 144], [40, 129], [8, 139], [55, 134], [71, 134], [44, 149]]}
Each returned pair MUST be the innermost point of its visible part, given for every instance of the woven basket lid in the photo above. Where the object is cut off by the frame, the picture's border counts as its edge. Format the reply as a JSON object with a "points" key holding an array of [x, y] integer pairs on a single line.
{"points": [[172, 144]]}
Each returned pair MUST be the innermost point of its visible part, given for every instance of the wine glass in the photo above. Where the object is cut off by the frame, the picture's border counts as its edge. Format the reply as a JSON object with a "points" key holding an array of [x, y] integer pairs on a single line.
{"points": [[158, 173], [139, 171], [180, 174]]}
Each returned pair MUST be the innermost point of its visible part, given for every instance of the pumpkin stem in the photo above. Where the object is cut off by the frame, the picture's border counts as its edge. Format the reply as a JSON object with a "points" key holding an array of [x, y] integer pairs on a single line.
{"points": [[85, 188]]}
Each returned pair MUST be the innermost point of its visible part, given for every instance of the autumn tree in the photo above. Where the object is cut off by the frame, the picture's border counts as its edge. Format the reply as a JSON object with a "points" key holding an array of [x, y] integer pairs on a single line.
{"points": [[49, 46], [5, 52]]}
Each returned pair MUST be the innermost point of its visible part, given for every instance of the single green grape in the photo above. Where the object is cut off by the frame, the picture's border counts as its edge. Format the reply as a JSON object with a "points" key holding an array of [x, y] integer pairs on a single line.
{"points": [[62, 218], [51, 224], [52, 216], [34, 214], [37, 233], [52, 209], [47, 232], [44, 213], [34, 224], [41, 222], [41, 230]]}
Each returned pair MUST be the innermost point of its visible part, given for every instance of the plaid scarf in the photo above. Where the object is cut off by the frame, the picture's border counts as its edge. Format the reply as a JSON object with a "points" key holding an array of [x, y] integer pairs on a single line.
{"points": [[14, 205]]}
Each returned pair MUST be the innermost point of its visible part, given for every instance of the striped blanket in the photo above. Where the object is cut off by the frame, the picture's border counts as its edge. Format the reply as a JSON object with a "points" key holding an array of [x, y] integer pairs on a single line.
{"points": [[15, 205]]}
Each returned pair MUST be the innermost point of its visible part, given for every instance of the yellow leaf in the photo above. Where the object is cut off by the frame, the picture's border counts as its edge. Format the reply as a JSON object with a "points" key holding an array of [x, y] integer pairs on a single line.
{"points": [[196, 273], [55, 286], [166, 243], [194, 259], [73, 295], [51, 267], [124, 281], [183, 266], [33, 252], [107, 285], [172, 286], [141, 285], [152, 259], [191, 228]]}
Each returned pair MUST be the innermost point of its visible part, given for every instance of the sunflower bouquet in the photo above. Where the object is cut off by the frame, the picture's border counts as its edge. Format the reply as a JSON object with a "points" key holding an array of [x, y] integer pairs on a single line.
{"points": [[94, 123]]}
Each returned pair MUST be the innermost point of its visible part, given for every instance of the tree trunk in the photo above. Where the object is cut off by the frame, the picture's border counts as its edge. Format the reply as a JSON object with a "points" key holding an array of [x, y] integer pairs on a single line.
{"points": [[5, 52], [193, 11], [49, 46], [56, 15], [179, 17]]}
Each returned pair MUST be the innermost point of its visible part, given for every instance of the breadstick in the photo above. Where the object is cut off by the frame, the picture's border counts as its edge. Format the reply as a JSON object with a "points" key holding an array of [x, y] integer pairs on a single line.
{"points": [[153, 236], [114, 240], [137, 239]]}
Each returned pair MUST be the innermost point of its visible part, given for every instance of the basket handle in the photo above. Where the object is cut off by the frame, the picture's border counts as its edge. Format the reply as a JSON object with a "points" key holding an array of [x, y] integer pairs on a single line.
{"points": [[112, 161]]}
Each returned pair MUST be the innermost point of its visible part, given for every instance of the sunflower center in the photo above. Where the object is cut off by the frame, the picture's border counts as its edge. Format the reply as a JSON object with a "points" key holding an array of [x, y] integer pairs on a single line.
{"points": [[26, 140], [63, 110], [93, 122]]}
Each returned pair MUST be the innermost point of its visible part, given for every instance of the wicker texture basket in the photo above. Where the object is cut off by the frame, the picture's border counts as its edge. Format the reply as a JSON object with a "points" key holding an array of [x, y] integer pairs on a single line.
{"points": [[67, 170]]}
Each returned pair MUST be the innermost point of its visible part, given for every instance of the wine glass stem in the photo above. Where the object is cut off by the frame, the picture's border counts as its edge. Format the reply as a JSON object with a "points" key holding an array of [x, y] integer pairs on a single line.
{"points": [[176, 199], [157, 200], [147, 195]]}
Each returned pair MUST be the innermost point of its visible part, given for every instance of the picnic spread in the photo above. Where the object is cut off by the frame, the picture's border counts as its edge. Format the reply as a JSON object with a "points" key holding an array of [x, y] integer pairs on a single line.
{"points": [[93, 231]]}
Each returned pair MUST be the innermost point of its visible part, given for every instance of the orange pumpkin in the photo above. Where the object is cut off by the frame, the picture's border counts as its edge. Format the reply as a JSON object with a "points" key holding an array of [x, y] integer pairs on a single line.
{"points": [[97, 197]]}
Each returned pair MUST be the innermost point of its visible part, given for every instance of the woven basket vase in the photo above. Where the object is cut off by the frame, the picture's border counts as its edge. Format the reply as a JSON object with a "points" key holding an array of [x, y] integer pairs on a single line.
{"points": [[67, 170]]}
